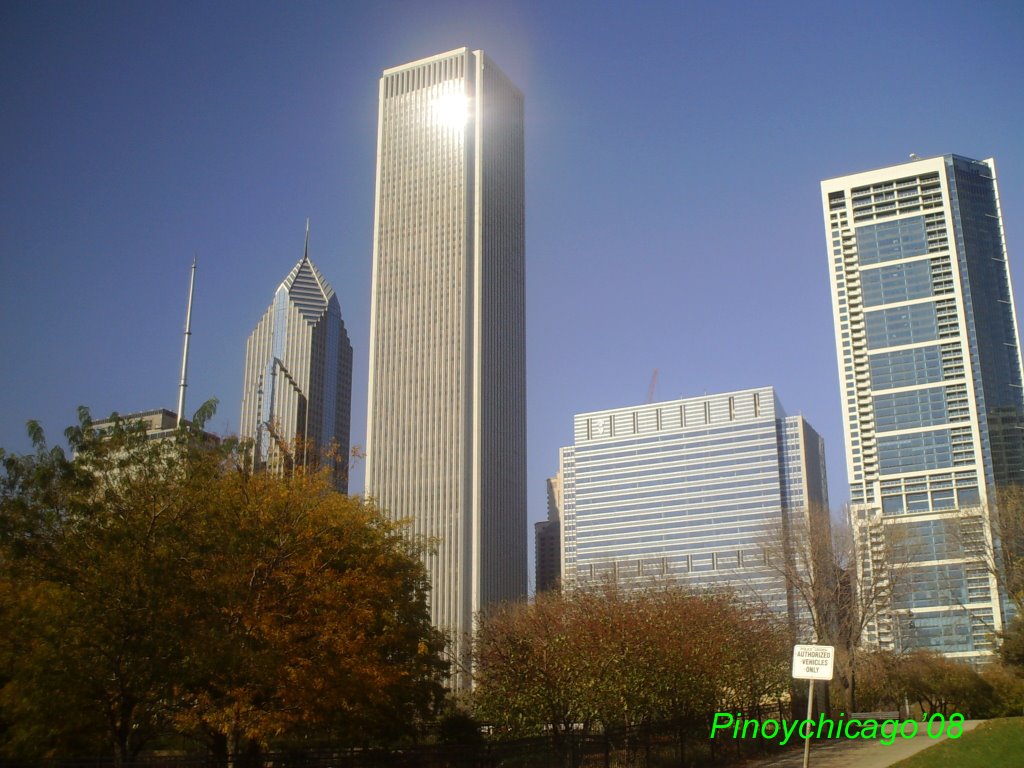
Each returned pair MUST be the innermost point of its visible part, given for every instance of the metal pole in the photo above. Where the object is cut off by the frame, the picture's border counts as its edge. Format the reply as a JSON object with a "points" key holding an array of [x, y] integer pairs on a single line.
{"points": [[810, 705], [184, 353]]}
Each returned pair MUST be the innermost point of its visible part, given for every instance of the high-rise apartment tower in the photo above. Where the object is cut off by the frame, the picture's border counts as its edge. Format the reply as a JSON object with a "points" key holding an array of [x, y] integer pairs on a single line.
{"points": [[297, 393], [930, 373], [446, 428]]}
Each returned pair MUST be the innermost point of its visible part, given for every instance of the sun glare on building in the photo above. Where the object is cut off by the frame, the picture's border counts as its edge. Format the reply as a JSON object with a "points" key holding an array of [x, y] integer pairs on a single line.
{"points": [[451, 109]]}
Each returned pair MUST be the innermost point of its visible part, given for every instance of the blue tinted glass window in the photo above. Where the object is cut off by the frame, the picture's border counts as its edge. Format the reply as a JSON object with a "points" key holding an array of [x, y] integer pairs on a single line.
{"points": [[905, 410], [990, 321], [907, 367], [901, 325], [896, 282], [907, 453], [968, 497], [917, 502], [933, 586], [892, 240], [946, 632], [892, 505], [926, 540]]}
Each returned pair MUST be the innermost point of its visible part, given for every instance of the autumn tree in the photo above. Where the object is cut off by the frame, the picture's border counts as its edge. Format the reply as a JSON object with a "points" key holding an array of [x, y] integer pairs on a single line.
{"points": [[626, 662], [997, 546], [315, 618], [881, 680], [800, 549], [530, 675], [149, 588], [1008, 531], [820, 564]]}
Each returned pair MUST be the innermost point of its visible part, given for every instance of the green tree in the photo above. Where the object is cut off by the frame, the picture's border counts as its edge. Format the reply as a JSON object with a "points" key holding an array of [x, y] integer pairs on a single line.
{"points": [[1007, 692], [940, 684], [95, 553], [1011, 649]]}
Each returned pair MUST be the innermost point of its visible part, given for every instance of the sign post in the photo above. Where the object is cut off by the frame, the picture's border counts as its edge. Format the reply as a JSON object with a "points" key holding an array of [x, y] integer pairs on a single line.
{"points": [[812, 662]]}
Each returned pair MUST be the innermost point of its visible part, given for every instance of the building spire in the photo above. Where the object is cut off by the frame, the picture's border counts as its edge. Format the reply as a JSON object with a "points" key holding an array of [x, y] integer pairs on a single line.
{"points": [[184, 353], [305, 250]]}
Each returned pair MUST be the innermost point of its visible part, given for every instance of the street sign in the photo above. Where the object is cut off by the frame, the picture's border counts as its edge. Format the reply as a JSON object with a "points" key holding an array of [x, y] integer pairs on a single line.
{"points": [[813, 662]]}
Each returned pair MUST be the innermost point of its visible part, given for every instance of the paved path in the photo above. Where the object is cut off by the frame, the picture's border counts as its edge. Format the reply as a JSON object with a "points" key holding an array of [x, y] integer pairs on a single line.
{"points": [[854, 753]]}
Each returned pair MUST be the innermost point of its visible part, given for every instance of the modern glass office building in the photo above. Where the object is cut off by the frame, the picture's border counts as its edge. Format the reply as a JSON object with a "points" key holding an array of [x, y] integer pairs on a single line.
{"points": [[930, 373], [297, 392], [704, 492], [446, 431]]}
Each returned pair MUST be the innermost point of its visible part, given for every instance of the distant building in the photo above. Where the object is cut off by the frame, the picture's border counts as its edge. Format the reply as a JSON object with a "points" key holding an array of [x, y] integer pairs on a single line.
{"points": [[296, 397], [159, 423], [446, 424], [548, 539], [930, 372], [702, 492]]}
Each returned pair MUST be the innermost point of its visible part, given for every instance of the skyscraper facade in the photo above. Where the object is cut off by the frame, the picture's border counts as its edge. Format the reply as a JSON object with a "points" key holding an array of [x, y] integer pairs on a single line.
{"points": [[930, 372], [548, 539], [446, 428], [706, 492], [297, 392]]}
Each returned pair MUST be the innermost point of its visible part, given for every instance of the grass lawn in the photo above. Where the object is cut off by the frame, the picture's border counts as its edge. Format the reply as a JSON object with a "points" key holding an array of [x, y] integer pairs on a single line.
{"points": [[992, 744]]}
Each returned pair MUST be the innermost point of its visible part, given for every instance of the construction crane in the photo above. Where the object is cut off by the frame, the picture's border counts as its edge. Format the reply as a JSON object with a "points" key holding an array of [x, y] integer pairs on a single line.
{"points": [[651, 388]]}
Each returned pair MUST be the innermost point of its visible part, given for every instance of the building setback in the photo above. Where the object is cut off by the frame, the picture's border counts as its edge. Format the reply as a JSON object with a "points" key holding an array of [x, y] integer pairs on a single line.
{"points": [[446, 427], [297, 392], [702, 492], [930, 373]]}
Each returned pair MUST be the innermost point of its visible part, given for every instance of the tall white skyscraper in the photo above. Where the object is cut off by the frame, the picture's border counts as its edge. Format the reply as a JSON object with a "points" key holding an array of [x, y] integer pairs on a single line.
{"points": [[930, 371], [446, 431], [297, 393]]}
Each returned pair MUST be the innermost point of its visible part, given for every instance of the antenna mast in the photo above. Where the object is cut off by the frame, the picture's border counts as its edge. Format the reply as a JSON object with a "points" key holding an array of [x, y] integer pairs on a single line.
{"points": [[184, 353]]}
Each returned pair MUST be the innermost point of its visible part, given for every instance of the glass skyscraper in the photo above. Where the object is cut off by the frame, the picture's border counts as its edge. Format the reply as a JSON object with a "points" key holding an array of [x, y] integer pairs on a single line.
{"points": [[297, 392], [446, 431], [930, 372], [702, 492]]}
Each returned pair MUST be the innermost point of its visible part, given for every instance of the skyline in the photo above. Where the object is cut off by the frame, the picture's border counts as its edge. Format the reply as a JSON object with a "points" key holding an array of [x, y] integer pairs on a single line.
{"points": [[669, 154]]}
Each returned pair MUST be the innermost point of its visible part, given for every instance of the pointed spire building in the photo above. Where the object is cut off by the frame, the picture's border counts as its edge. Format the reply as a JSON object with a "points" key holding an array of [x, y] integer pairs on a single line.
{"points": [[296, 400]]}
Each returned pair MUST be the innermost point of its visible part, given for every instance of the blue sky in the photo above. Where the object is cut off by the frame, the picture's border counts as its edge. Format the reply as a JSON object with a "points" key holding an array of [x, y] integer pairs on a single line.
{"points": [[674, 153]]}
